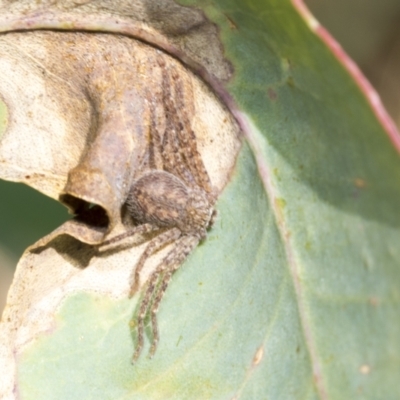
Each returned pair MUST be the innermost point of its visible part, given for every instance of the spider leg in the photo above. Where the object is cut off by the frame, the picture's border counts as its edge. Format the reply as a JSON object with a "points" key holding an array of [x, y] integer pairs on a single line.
{"points": [[156, 145], [187, 137], [156, 244], [144, 305], [170, 263], [174, 162], [173, 261], [171, 152], [140, 229]]}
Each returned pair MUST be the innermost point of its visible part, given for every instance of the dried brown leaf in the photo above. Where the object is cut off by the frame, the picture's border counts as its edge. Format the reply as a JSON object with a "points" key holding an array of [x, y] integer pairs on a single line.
{"points": [[80, 107]]}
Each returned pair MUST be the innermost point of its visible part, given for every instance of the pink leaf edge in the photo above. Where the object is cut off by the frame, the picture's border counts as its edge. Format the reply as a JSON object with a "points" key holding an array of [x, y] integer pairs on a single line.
{"points": [[363, 83]]}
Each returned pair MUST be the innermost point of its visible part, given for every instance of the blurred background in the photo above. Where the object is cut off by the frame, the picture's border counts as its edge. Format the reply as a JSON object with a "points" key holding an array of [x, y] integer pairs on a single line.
{"points": [[25, 216], [368, 30]]}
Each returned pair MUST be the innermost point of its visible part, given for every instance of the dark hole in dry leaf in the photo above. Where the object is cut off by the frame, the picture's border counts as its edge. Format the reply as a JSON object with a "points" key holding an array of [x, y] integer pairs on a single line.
{"points": [[91, 214]]}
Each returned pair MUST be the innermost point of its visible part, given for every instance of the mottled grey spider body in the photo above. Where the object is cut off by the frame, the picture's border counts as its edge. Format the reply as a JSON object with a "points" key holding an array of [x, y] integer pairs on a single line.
{"points": [[175, 198], [162, 199]]}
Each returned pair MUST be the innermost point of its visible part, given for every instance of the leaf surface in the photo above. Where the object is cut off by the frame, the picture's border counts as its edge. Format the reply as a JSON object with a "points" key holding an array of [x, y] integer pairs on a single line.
{"points": [[294, 294]]}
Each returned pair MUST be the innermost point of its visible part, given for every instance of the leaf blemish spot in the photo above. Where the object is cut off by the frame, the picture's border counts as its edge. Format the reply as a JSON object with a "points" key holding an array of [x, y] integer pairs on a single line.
{"points": [[365, 369], [360, 183], [374, 301], [272, 94], [281, 203], [258, 356]]}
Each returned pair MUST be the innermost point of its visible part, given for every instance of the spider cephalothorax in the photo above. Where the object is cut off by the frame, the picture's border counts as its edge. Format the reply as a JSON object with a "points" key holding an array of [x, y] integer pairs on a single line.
{"points": [[175, 197], [163, 200]]}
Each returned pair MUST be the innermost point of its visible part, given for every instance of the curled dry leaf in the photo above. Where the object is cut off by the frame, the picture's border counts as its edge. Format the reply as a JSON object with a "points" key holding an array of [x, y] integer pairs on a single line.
{"points": [[89, 111], [82, 111]]}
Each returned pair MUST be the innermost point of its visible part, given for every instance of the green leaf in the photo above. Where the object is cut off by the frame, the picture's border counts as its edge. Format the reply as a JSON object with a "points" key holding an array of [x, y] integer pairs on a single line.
{"points": [[296, 291], [332, 176], [220, 309]]}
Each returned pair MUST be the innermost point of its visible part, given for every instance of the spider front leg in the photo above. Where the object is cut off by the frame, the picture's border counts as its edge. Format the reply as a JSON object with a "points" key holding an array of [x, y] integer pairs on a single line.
{"points": [[137, 230], [169, 265], [186, 246], [156, 244], [144, 305]]}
